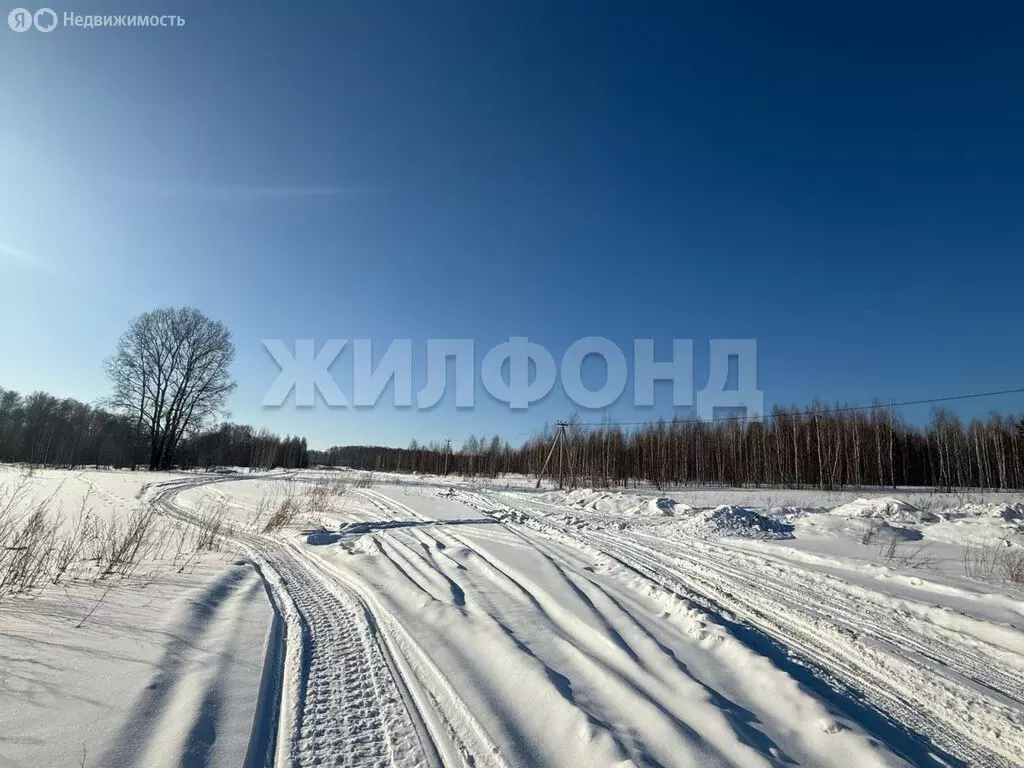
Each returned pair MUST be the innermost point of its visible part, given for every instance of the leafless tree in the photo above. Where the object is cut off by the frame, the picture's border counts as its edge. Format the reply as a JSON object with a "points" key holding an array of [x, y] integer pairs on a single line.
{"points": [[170, 374]]}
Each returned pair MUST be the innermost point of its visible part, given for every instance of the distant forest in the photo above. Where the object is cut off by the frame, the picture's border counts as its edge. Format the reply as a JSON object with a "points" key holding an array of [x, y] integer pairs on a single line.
{"points": [[813, 447], [45, 430]]}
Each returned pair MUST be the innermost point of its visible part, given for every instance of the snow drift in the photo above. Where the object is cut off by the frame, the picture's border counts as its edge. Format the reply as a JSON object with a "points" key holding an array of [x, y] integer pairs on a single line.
{"points": [[614, 503], [886, 508]]}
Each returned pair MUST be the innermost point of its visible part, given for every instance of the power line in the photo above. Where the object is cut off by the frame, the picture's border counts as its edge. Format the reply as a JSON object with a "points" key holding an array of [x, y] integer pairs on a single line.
{"points": [[845, 409]]}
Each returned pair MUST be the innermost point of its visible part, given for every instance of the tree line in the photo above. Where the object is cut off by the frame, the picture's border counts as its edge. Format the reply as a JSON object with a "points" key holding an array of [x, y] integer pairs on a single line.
{"points": [[63, 432], [815, 447], [170, 382]]}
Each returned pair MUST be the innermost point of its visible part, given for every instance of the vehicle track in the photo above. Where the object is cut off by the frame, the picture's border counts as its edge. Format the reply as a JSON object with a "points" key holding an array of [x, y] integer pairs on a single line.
{"points": [[965, 703], [343, 701], [358, 690]]}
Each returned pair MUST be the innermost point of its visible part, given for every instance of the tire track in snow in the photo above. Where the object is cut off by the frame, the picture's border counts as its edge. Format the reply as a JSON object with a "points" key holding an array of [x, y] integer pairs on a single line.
{"points": [[953, 723], [457, 737], [351, 711], [343, 702], [826, 598], [970, 725], [595, 656]]}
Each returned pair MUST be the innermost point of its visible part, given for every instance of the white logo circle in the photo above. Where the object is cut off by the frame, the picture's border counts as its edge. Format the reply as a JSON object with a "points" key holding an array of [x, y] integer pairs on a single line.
{"points": [[45, 19], [20, 19]]}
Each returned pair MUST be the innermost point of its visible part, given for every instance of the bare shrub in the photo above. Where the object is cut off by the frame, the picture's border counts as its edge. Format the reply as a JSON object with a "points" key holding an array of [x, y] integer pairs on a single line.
{"points": [[69, 547], [889, 548], [994, 561], [927, 505], [27, 541], [186, 551], [119, 547], [39, 546], [981, 561], [96, 605], [11, 497], [916, 557], [965, 498], [28, 553], [180, 540], [1012, 565]]}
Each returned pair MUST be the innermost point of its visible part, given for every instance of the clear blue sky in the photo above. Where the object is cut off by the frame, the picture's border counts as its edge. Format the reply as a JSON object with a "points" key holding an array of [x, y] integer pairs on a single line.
{"points": [[845, 185]]}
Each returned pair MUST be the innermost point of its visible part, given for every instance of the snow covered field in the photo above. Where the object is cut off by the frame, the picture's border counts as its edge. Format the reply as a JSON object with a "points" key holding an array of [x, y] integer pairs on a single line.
{"points": [[158, 667], [349, 619]]}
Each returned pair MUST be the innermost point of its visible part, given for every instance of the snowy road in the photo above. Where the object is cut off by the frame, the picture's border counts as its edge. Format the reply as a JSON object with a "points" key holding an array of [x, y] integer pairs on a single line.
{"points": [[480, 628]]}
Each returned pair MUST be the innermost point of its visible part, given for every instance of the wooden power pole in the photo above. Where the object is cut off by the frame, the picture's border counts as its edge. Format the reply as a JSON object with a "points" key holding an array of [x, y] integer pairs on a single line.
{"points": [[559, 439], [447, 451]]}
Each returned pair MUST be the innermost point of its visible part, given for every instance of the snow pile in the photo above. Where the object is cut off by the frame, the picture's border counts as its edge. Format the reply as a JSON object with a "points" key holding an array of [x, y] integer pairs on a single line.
{"points": [[604, 502], [666, 507], [794, 513], [885, 508], [614, 503], [737, 522], [1008, 512]]}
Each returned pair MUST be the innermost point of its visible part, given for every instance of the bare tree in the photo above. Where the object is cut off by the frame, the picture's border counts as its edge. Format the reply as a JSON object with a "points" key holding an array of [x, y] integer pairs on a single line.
{"points": [[170, 374]]}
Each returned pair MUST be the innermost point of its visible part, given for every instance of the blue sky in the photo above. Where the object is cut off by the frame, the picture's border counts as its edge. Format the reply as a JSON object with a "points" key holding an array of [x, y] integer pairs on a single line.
{"points": [[844, 185]]}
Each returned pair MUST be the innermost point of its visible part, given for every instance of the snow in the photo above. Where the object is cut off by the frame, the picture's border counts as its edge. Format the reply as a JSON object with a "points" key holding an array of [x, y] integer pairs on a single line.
{"points": [[885, 508], [734, 521], [1003, 510], [162, 668], [615, 503], [560, 660], [452, 621]]}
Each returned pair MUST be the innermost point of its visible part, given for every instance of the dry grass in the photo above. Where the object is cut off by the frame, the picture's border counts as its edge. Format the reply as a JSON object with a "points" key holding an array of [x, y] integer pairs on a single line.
{"points": [[321, 498], [365, 480], [264, 506], [895, 550], [995, 561], [286, 513], [212, 526], [41, 546], [322, 495]]}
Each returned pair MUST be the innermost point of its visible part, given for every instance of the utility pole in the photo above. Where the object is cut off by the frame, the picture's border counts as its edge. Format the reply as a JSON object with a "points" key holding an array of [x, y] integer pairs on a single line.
{"points": [[559, 439], [447, 451]]}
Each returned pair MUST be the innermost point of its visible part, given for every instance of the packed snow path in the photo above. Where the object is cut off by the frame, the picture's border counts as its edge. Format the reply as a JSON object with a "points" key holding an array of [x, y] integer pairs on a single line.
{"points": [[481, 629], [344, 705]]}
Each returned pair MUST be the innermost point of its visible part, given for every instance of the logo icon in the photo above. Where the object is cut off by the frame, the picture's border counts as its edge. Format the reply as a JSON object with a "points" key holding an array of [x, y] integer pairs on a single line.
{"points": [[45, 19], [20, 19]]}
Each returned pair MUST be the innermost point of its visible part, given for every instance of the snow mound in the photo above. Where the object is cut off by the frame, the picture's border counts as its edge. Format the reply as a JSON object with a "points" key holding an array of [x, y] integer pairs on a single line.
{"points": [[666, 507], [737, 522], [614, 503], [1008, 512], [885, 508]]}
